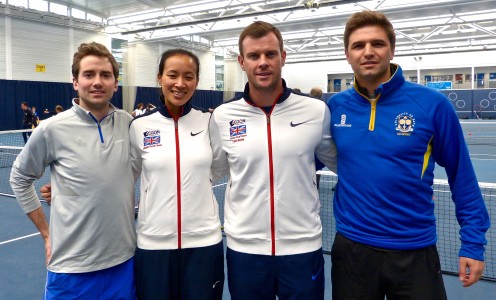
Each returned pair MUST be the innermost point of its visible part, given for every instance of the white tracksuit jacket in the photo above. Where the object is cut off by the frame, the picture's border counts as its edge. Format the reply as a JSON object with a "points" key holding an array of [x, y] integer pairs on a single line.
{"points": [[177, 206], [272, 203]]}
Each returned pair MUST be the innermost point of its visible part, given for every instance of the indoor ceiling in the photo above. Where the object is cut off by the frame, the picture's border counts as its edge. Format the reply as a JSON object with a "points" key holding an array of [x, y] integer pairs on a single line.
{"points": [[312, 30]]}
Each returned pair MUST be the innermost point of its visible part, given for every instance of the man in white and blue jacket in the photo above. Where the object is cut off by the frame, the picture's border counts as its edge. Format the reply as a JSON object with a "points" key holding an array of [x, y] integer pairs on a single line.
{"points": [[271, 211], [389, 134]]}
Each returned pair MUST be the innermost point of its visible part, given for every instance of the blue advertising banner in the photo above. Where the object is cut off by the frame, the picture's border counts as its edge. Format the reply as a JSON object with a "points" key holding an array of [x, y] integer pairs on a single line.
{"points": [[440, 85]]}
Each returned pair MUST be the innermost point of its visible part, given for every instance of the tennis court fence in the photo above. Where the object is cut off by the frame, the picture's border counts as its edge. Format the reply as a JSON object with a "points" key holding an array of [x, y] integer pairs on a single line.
{"points": [[448, 230]]}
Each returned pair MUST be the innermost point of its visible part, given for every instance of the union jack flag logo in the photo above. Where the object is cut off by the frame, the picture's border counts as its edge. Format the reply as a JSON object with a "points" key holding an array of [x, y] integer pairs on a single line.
{"points": [[238, 130], [151, 140]]}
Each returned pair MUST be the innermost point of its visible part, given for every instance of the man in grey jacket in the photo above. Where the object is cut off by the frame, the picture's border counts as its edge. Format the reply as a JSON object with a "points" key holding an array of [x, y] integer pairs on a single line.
{"points": [[91, 239]]}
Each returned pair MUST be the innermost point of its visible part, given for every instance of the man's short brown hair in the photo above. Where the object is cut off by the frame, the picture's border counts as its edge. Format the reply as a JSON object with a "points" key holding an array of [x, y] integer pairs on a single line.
{"points": [[257, 30], [368, 18], [96, 49]]}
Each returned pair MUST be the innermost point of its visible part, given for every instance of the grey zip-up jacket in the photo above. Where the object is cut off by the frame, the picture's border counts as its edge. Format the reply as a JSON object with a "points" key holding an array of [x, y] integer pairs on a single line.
{"points": [[92, 210]]}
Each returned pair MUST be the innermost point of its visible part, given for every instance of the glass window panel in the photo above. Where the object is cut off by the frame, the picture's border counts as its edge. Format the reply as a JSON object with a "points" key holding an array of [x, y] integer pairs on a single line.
{"points": [[58, 9], [20, 3], [40, 5], [76, 13]]}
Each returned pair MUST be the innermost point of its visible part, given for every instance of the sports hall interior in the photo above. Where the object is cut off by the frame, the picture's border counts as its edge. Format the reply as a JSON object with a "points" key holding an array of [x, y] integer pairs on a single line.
{"points": [[449, 45]]}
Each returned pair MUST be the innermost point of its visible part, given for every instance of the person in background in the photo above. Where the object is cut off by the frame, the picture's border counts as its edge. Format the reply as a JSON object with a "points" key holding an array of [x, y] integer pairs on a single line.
{"points": [[149, 107], [316, 93], [180, 254], [90, 242], [27, 121], [272, 223], [296, 90], [389, 134], [140, 109], [36, 118], [58, 109]]}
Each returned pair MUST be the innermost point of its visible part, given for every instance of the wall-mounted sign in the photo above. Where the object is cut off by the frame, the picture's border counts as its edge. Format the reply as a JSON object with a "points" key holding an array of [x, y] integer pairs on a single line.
{"points": [[40, 68]]}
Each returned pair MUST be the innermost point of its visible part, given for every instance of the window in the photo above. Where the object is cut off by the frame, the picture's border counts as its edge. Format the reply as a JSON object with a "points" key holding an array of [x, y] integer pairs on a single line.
{"points": [[76, 13], [58, 9], [20, 3], [38, 5], [94, 18]]}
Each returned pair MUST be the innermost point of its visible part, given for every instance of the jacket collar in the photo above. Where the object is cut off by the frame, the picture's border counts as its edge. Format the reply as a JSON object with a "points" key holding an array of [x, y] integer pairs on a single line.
{"points": [[387, 87], [162, 109], [88, 116], [285, 94]]}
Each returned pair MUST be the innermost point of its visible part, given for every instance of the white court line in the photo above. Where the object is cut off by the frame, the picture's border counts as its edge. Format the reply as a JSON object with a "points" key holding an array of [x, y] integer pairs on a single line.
{"points": [[483, 158], [19, 238]]}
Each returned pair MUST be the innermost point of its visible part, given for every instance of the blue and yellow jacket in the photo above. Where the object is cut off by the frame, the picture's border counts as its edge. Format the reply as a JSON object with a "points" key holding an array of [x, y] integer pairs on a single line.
{"points": [[387, 150]]}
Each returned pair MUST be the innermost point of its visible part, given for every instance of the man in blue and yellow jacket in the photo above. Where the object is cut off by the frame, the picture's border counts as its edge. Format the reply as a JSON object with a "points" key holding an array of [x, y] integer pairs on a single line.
{"points": [[389, 134]]}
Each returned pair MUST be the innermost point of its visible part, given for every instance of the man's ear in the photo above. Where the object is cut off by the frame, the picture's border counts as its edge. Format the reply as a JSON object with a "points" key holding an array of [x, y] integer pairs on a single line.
{"points": [[347, 55], [241, 62], [75, 83]]}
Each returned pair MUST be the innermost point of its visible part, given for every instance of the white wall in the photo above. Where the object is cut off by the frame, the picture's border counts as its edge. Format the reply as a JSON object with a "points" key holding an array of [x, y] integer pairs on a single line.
{"points": [[3, 47], [234, 77], [27, 43]]}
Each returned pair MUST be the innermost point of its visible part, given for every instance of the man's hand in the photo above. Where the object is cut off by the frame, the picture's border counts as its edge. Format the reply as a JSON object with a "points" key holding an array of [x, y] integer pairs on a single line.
{"points": [[470, 271], [46, 193], [48, 251]]}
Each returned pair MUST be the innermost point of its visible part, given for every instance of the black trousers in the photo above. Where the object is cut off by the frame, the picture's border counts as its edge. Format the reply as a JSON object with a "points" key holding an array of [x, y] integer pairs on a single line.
{"points": [[25, 135], [185, 274], [366, 273]]}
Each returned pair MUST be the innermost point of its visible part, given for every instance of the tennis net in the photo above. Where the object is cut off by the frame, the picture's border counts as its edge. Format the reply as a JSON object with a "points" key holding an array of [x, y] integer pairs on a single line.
{"points": [[448, 236], [13, 138], [447, 227]]}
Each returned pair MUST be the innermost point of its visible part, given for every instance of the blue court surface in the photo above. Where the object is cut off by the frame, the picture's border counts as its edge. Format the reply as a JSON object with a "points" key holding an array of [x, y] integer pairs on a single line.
{"points": [[23, 272]]}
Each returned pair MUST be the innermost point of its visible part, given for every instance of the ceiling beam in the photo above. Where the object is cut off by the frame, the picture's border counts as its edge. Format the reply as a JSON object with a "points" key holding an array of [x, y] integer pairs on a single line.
{"points": [[244, 15]]}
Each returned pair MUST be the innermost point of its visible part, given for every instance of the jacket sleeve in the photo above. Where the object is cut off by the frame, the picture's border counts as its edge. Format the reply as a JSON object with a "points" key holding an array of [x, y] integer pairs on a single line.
{"points": [[326, 151], [220, 164], [450, 151], [136, 160], [30, 165]]}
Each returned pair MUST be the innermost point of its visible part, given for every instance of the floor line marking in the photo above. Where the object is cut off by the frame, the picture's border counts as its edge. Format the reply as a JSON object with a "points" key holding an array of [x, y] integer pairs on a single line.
{"points": [[19, 238]]}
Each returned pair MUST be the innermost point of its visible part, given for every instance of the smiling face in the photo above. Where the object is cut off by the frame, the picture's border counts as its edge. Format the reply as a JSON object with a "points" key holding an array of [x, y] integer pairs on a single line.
{"points": [[369, 53], [178, 80], [95, 84], [263, 60]]}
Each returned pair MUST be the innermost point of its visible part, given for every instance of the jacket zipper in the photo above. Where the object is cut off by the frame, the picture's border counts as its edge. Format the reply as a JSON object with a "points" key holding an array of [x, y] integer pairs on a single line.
{"points": [[178, 183], [373, 109], [98, 124], [271, 178]]}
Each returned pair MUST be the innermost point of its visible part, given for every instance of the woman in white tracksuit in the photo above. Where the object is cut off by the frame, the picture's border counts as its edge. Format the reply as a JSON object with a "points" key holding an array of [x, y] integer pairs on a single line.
{"points": [[180, 250]]}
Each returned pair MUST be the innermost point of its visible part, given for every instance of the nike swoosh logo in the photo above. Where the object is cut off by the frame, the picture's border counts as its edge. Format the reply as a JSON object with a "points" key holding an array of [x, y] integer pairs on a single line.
{"points": [[317, 274], [218, 281], [197, 133], [297, 124]]}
